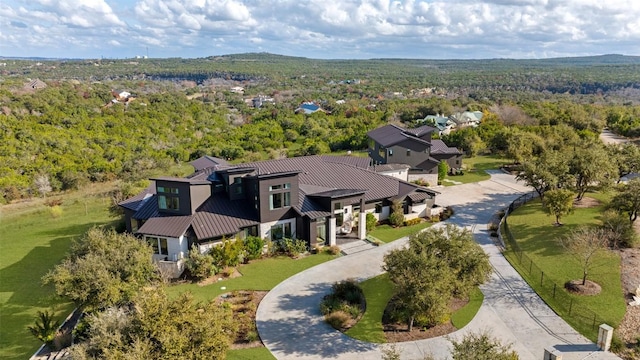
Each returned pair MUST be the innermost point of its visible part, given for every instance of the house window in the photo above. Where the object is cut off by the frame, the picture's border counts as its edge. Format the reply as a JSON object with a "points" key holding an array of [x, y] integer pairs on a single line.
{"points": [[281, 231], [378, 208], [168, 202], [390, 152], [167, 190], [408, 152], [159, 245], [281, 198], [337, 206], [457, 162], [249, 231], [167, 198]]}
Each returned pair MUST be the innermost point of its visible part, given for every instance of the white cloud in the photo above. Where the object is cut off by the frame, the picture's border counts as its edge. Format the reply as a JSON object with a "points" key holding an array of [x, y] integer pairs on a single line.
{"points": [[322, 28]]}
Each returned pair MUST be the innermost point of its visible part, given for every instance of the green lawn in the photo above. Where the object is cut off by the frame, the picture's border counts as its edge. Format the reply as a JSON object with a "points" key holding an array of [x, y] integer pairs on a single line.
{"points": [[259, 275], [387, 233], [474, 169], [537, 237], [379, 290], [250, 354], [464, 315], [32, 242]]}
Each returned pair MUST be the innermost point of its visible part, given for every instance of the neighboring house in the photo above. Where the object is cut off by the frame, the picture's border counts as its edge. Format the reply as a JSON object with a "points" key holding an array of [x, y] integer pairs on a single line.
{"points": [[467, 118], [308, 107], [260, 100], [305, 198], [121, 96], [441, 122], [392, 144], [237, 90], [36, 84]]}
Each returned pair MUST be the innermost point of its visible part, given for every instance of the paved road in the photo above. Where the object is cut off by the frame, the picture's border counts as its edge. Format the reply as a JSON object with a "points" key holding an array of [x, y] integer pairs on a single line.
{"points": [[291, 326]]}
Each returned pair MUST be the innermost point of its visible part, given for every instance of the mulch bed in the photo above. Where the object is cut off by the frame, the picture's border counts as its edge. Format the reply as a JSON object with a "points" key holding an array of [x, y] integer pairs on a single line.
{"points": [[395, 332], [589, 287]]}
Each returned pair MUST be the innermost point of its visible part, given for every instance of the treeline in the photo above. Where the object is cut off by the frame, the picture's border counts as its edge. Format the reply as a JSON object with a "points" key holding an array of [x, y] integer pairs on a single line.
{"points": [[69, 133], [596, 75]]}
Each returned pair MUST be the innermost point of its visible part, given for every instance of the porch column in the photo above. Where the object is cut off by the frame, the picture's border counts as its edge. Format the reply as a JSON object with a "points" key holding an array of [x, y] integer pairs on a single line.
{"points": [[362, 222], [332, 231]]}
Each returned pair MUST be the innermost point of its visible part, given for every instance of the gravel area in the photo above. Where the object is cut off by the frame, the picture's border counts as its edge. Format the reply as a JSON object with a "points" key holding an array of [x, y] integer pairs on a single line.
{"points": [[629, 329]]}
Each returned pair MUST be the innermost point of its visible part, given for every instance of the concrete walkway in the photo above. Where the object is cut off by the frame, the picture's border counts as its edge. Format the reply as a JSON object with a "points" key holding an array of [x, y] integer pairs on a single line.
{"points": [[291, 325]]}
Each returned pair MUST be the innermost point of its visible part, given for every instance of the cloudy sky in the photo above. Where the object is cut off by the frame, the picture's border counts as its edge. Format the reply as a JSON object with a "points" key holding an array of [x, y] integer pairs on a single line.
{"points": [[332, 29]]}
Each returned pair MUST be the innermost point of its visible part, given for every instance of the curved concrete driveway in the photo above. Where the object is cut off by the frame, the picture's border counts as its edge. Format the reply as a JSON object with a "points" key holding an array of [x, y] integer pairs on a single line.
{"points": [[291, 325]]}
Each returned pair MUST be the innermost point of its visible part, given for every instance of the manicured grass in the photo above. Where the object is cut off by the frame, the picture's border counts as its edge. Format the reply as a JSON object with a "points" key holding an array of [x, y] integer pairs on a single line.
{"points": [[261, 274], [387, 233], [538, 239], [464, 315], [378, 291], [250, 354], [474, 169], [32, 243]]}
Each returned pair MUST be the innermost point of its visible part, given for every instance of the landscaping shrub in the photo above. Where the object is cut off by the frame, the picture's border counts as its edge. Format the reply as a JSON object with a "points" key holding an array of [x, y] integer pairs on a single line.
{"points": [[371, 222], [55, 211], [333, 250], [199, 265], [253, 247], [338, 319], [289, 247], [230, 253], [412, 222], [345, 302], [446, 213], [396, 218]]}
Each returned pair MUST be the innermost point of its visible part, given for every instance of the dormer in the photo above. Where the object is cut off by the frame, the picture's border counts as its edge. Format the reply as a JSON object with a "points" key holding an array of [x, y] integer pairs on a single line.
{"points": [[274, 194], [181, 196], [233, 181]]}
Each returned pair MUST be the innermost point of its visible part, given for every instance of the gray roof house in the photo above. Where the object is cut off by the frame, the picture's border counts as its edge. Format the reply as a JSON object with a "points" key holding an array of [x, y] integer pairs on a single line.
{"points": [[392, 144], [305, 198]]}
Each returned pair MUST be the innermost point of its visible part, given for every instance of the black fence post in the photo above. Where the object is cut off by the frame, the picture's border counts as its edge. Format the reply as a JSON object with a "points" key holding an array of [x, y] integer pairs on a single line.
{"points": [[570, 306], [530, 265], [554, 290], [541, 277]]}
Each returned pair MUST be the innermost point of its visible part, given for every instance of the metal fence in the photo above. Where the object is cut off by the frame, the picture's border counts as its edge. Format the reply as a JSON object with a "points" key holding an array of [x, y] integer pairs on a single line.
{"points": [[552, 293]]}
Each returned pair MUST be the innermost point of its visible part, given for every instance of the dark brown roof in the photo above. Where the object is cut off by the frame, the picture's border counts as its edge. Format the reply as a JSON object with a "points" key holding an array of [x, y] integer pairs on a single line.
{"points": [[194, 181], [169, 226], [419, 196], [357, 161], [148, 210], [220, 216], [390, 135], [420, 131], [206, 161], [439, 147], [310, 208], [315, 171]]}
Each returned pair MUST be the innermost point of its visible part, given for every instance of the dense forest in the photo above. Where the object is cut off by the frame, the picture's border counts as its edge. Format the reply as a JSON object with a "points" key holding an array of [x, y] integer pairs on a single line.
{"points": [[66, 129]]}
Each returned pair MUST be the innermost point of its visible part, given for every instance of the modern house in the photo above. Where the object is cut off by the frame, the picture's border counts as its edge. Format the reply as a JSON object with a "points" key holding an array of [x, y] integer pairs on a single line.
{"points": [[306, 198], [392, 144]]}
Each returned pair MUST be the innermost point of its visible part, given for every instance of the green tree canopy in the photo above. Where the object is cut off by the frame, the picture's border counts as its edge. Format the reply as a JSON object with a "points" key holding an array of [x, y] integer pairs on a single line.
{"points": [[103, 269], [558, 202], [628, 199], [155, 327]]}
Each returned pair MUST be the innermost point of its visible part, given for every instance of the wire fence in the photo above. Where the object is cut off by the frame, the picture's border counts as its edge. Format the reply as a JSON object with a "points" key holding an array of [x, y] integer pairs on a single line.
{"points": [[552, 293]]}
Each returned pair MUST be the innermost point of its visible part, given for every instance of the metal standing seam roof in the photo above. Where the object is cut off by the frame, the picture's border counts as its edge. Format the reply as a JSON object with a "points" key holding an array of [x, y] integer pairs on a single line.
{"points": [[390, 167], [439, 147], [317, 172], [136, 202], [206, 161], [357, 161], [169, 226], [219, 216], [390, 135]]}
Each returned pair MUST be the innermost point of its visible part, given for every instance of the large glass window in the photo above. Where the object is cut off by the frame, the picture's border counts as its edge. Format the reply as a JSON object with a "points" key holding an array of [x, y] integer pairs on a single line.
{"points": [[167, 198], [159, 245], [168, 202], [280, 231], [279, 200]]}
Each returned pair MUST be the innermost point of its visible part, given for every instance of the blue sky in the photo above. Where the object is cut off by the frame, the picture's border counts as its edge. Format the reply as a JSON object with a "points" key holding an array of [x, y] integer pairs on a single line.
{"points": [[331, 29]]}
